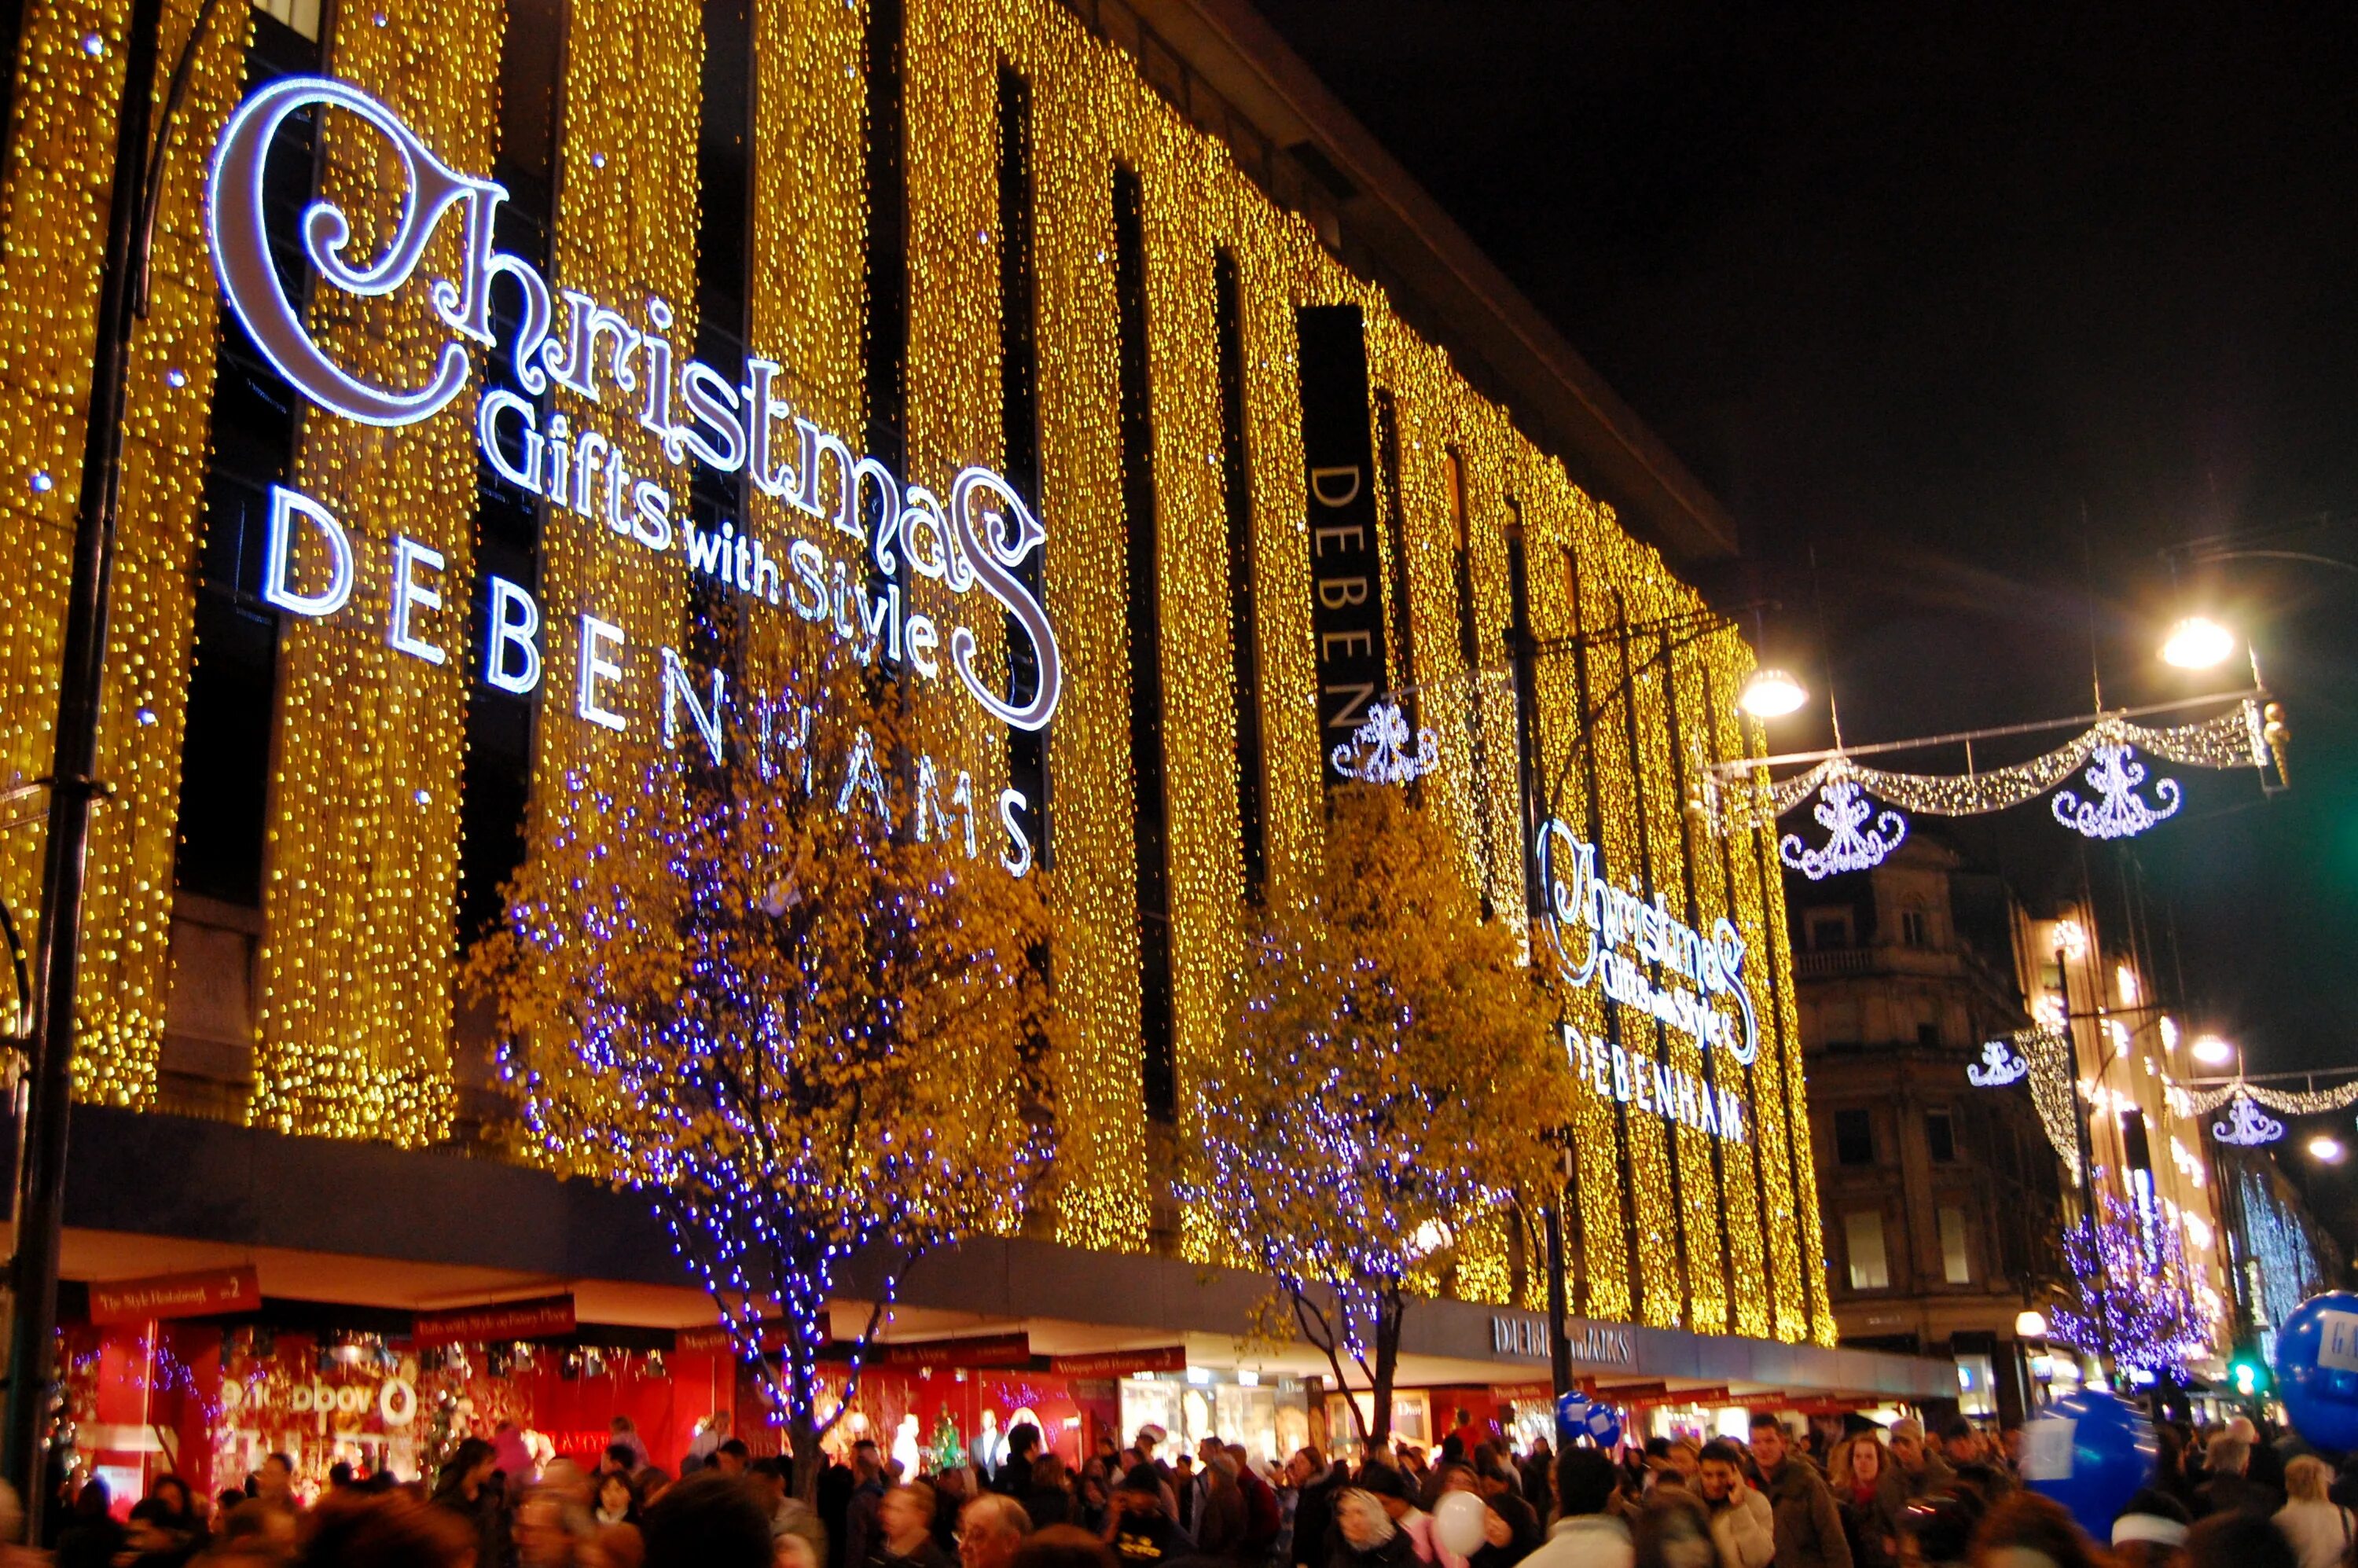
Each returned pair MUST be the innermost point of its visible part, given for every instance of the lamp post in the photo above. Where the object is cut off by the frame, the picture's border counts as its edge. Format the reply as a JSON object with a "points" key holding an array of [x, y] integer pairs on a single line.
{"points": [[135, 183], [1769, 693]]}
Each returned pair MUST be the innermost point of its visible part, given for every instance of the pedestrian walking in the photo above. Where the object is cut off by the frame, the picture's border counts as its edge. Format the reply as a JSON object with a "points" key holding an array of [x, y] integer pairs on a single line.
{"points": [[1809, 1533]]}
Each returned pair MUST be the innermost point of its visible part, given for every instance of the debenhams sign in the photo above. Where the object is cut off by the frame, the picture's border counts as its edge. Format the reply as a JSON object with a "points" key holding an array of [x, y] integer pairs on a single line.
{"points": [[1521, 1335]]}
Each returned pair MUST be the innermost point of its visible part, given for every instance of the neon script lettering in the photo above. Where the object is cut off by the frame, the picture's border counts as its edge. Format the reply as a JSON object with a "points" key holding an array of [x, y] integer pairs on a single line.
{"points": [[730, 424]]}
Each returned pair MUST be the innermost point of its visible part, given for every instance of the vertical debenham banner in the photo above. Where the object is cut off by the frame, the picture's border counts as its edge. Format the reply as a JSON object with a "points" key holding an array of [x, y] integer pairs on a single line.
{"points": [[1346, 612]]}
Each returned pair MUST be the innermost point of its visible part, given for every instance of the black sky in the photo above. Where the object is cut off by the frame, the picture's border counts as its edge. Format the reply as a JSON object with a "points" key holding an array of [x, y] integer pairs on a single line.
{"points": [[1920, 287]]}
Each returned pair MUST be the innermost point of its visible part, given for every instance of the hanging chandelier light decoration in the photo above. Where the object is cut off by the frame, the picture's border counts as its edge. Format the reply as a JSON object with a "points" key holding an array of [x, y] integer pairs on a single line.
{"points": [[2000, 1064], [1379, 749], [1740, 795], [2117, 812], [2248, 1126], [2284, 1102], [1850, 846]]}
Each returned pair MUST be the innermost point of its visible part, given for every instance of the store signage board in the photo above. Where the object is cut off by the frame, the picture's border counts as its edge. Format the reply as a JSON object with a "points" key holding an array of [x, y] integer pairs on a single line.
{"points": [[1346, 610], [1120, 1363], [975, 1350], [543, 1318], [204, 1294], [619, 369], [1524, 1336]]}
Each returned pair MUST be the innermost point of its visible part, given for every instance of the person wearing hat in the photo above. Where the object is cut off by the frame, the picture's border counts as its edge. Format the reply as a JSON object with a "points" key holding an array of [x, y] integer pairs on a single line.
{"points": [[2150, 1531], [1371, 1547], [1141, 1529], [1915, 1471]]}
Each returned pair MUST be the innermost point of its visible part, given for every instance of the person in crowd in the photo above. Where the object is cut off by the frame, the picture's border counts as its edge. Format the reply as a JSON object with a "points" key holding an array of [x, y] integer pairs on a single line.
{"points": [[789, 1515], [2267, 1467], [92, 1536], [1151, 1437], [1314, 1482], [1264, 1514], [1219, 1524], [224, 1505], [1961, 1443], [2150, 1531], [1187, 1491], [860, 1527], [1539, 1476], [353, 1528], [2229, 1489], [1742, 1525], [1672, 1530], [711, 1433], [546, 1535], [253, 1534], [1139, 1529], [1365, 1534], [2169, 1465], [2236, 1539], [837, 1480], [466, 1487], [952, 1488], [2318, 1528], [1063, 1546], [732, 1457], [516, 1465], [617, 1502], [905, 1530], [624, 1432], [1915, 1471], [1048, 1498], [1587, 1533], [1511, 1531], [991, 1530], [1093, 1504], [274, 1482], [1808, 1526], [1014, 1476], [1938, 1531], [1870, 1517], [2029, 1530], [707, 1521]]}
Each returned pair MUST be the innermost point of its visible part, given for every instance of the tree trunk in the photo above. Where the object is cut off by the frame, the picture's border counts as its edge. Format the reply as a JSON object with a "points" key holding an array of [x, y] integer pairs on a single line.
{"points": [[1388, 1335]]}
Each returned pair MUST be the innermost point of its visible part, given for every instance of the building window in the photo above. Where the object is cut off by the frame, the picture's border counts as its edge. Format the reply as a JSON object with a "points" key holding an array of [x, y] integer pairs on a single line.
{"points": [[1829, 929], [1928, 1034], [1244, 615], [302, 16], [1863, 1240], [1853, 1138], [1954, 1267], [1913, 928], [1940, 1137]]}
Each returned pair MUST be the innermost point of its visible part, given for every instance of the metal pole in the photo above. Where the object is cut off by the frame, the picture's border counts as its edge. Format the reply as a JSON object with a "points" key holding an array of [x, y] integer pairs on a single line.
{"points": [[40, 1200]]}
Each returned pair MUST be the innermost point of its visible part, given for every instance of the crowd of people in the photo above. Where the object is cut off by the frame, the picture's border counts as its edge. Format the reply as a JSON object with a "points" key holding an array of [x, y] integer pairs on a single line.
{"points": [[1843, 1494]]}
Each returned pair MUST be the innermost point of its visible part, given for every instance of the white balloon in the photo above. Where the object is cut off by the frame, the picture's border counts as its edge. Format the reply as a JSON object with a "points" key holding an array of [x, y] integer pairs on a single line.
{"points": [[1458, 1522]]}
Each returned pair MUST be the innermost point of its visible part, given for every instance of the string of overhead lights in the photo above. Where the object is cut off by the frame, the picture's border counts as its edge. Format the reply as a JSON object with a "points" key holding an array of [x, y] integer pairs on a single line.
{"points": [[2286, 1102]]}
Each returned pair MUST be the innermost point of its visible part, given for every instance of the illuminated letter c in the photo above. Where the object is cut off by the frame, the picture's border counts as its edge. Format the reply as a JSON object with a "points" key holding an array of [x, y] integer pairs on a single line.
{"points": [[241, 245]]}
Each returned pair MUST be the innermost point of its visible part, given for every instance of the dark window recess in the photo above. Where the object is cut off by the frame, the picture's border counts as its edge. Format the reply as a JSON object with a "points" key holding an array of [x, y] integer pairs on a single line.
{"points": [[1388, 453], [1469, 654], [2135, 1142], [495, 781], [1244, 614], [1527, 736], [1940, 1137], [725, 186], [887, 261], [1149, 813], [1928, 1034], [234, 675], [1019, 412], [1853, 1138]]}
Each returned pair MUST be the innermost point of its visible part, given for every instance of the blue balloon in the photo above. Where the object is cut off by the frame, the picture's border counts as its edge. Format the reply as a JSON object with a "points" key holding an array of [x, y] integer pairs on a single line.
{"points": [[1578, 1416], [2090, 1451], [2317, 1369]]}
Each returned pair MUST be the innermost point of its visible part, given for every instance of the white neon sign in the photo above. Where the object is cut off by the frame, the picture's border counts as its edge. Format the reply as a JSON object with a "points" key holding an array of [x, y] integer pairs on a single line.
{"points": [[1606, 936], [729, 424]]}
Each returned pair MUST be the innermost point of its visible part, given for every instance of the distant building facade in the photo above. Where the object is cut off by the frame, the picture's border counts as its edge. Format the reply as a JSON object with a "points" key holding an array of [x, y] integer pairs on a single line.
{"points": [[1943, 1201]]}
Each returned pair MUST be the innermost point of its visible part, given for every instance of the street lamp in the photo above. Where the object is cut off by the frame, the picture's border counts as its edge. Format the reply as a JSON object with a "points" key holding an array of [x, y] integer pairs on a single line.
{"points": [[2213, 1052], [1771, 694], [2327, 1148], [2197, 643], [2030, 1324]]}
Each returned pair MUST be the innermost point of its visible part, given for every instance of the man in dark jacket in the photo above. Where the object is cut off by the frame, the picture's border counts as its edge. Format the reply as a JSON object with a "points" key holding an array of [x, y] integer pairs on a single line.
{"points": [[1809, 1525], [1014, 1477], [1314, 1482], [2229, 1489]]}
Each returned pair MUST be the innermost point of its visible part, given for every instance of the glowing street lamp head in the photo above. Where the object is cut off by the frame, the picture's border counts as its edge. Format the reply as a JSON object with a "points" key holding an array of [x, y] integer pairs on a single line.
{"points": [[2326, 1147], [1771, 694], [2028, 1323], [2197, 643], [2214, 1052]]}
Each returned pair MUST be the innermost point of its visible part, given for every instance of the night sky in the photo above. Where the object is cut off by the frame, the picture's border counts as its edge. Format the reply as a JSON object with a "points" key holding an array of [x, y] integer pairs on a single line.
{"points": [[1986, 304]]}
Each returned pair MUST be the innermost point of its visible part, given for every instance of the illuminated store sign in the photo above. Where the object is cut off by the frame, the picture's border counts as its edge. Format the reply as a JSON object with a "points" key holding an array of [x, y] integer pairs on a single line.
{"points": [[1606, 936], [627, 367]]}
